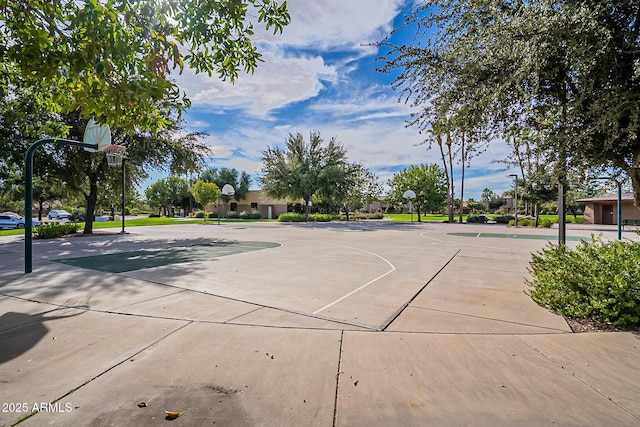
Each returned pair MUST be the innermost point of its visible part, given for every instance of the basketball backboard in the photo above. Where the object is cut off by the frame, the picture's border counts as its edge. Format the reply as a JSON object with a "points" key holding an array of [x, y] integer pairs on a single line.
{"points": [[97, 134]]}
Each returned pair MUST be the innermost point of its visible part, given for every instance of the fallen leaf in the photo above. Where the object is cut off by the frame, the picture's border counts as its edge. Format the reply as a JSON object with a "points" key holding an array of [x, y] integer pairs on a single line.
{"points": [[173, 414]]}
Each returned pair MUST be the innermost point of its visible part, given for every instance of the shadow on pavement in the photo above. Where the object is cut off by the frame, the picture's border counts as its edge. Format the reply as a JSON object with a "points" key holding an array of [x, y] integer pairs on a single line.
{"points": [[19, 332]]}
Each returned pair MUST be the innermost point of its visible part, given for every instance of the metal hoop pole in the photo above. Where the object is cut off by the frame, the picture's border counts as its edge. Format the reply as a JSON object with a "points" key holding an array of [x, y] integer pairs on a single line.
{"points": [[123, 187], [28, 193]]}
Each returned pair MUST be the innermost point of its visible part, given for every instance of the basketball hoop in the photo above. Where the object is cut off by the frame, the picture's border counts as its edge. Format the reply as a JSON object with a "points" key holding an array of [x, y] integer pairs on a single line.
{"points": [[115, 154]]}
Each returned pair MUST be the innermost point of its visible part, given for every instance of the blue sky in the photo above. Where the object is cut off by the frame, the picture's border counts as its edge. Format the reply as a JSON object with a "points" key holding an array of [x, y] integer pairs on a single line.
{"points": [[320, 74]]}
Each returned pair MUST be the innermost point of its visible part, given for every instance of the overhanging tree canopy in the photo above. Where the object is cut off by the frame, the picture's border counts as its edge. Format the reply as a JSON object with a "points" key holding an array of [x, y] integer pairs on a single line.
{"points": [[568, 69], [113, 59]]}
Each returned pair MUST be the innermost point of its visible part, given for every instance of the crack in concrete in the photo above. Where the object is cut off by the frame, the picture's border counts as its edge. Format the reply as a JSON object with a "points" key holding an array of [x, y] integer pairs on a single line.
{"points": [[338, 373], [110, 368], [583, 380]]}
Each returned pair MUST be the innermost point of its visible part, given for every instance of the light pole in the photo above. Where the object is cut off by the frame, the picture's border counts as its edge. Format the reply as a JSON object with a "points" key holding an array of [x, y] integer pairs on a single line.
{"points": [[515, 198], [123, 189]]}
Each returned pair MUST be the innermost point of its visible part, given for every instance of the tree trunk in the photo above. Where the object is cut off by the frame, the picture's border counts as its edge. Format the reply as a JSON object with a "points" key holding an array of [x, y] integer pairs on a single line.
{"points": [[464, 160], [634, 173], [92, 200], [446, 176], [452, 193]]}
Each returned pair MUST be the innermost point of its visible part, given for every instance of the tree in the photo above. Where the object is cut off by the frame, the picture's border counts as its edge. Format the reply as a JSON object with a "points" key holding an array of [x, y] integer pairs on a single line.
{"points": [[46, 189], [474, 205], [358, 187], [228, 176], [166, 192], [205, 192], [157, 195], [491, 200], [427, 181], [304, 169], [368, 187], [113, 60], [567, 69], [177, 191], [84, 173]]}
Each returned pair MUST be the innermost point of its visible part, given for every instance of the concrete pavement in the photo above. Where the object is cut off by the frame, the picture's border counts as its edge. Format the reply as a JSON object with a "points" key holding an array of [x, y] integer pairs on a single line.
{"points": [[336, 325]]}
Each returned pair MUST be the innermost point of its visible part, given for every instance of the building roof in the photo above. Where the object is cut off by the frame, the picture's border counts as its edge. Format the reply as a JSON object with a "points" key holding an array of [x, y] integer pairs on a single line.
{"points": [[609, 198]]}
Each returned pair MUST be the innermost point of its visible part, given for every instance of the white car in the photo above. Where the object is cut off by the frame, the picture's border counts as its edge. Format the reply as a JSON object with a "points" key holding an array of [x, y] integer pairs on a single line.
{"points": [[14, 221], [58, 214]]}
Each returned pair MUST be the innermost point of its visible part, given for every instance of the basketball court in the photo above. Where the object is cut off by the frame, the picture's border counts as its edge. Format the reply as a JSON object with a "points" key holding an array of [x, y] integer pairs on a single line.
{"points": [[302, 324]]}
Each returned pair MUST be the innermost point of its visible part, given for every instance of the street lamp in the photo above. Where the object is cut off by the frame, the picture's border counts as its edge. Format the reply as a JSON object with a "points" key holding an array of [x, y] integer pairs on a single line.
{"points": [[515, 198]]}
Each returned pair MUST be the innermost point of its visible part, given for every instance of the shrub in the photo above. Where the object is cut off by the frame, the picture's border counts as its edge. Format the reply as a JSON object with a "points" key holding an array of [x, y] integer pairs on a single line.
{"points": [[477, 219], [503, 219], [77, 216], [52, 231], [545, 222], [155, 215], [580, 220], [362, 215], [233, 215], [320, 217], [199, 214], [243, 215], [212, 215], [291, 217], [255, 215], [598, 280]]}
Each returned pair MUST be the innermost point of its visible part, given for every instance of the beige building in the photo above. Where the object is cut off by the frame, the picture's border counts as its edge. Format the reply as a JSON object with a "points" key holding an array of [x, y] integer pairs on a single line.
{"points": [[604, 209], [255, 201]]}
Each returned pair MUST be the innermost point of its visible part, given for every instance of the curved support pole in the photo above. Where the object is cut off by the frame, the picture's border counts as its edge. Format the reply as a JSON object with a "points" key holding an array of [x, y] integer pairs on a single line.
{"points": [[28, 193]]}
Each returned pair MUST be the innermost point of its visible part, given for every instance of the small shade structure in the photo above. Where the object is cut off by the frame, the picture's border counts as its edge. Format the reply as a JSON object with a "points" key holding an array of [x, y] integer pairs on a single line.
{"points": [[604, 210]]}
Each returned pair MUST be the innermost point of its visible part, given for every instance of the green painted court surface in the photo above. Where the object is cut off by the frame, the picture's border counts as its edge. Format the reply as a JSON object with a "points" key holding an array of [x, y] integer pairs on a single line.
{"points": [[516, 236], [121, 262]]}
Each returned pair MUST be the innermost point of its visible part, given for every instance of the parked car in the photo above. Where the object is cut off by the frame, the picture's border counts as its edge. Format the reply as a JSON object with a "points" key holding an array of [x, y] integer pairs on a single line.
{"points": [[14, 221], [58, 214]]}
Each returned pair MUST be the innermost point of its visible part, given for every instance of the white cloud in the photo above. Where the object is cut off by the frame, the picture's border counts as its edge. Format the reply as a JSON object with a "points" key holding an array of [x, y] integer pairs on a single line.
{"points": [[277, 82], [285, 76], [326, 24], [366, 118]]}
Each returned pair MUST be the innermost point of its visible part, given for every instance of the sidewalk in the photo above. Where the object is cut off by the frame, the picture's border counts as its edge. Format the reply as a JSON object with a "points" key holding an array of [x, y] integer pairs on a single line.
{"points": [[405, 326]]}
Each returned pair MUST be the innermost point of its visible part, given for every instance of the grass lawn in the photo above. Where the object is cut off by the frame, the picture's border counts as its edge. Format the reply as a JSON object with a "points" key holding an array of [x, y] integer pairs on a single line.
{"points": [[140, 222], [443, 217], [425, 218]]}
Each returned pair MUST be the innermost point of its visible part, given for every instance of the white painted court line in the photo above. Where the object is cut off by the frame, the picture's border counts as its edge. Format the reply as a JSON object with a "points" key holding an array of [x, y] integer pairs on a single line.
{"points": [[456, 243], [393, 268]]}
